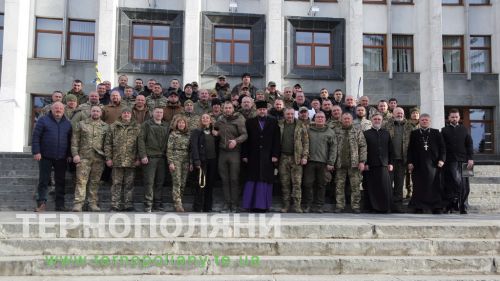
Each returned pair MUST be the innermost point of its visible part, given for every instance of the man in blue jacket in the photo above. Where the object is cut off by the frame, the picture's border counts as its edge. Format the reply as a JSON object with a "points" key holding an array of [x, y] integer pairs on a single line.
{"points": [[51, 147]]}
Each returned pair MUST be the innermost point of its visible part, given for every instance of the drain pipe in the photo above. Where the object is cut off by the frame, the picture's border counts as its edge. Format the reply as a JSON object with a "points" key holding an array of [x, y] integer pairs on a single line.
{"points": [[64, 33]]}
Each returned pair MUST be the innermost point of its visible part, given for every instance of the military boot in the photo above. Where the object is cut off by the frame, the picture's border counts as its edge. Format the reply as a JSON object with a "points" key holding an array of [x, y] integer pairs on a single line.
{"points": [[94, 208], [286, 206], [296, 206], [77, 207]]}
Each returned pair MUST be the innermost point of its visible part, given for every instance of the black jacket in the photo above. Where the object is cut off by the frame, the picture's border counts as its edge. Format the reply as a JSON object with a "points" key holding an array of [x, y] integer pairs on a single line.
{"points": [[198, 147], [458, 143]]}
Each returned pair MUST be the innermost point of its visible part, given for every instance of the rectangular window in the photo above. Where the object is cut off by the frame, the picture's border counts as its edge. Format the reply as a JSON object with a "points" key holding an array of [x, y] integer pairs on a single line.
{"points": [[81, 40], [452, 2], [48, 38], [1, 34], [232, 45], [313, 49], [479, 2], [402, 53], [453, 54], [480, 54], [150, 42], [374, 52]]}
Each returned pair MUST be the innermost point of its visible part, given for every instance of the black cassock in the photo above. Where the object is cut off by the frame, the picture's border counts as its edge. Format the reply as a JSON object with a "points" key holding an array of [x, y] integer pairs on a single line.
{"points": [[380, 154], [426, 148]]}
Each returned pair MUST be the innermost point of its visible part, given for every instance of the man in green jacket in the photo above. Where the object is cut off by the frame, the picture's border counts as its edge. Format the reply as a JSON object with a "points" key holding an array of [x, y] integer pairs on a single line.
{"points": [[153, 150], [322, 153]]}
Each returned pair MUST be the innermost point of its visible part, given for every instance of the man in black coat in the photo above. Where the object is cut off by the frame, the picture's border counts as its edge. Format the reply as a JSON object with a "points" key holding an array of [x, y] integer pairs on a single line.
{"points": [[426, 156], [261, 152], [378, 165], [458, 151]]}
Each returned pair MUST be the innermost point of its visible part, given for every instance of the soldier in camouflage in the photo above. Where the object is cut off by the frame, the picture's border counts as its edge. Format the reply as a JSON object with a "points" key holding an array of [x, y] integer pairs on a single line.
{"points": [[351, 158], [192, 118], [122, 153], [247, 108], [414, 117], [87, 149], [71, 106], [294, 154], [360, 121], [128, 97], [383, 109], [153, 150], [56, 96], [178, 159], [335, 121], [156, 99], [83, 110]]}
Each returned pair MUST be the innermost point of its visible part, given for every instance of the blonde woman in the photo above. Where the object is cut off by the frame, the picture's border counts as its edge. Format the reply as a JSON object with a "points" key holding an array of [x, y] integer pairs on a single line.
{"points": [[178, 159]]}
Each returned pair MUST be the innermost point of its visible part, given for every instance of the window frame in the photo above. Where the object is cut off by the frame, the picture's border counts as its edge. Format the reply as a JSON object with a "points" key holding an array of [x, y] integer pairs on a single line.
{"points": [[460, 3], [462, 55], [68, 43], [313, 45], [490, 60], [232, 42], [412, 48], [394, 2], [37, 31], [481, 4], [150, 39], [384, 50], [376, 2]]}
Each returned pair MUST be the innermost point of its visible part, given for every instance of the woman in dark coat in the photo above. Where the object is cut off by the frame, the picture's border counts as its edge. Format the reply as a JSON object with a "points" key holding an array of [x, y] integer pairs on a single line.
{"points": [[204, 158], [260, 151]]}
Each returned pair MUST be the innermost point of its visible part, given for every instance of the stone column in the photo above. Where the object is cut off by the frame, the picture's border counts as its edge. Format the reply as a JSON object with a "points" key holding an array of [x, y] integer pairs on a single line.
{"points": [[106, 30], [191, 45], [353, 9], [14, 101], [430, 16], [274, 43]]}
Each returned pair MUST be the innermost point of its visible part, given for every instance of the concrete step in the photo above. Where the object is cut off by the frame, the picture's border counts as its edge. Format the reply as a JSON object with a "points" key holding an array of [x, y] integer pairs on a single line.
{"points": [[486, 170], [344, 277], [284, 226], [318, 265], [250, 247]]}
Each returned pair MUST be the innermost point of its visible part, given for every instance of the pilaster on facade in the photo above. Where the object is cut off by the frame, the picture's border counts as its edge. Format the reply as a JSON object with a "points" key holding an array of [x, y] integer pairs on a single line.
{"points": [[274, 39], [106, 42], [192, 34], [13, 96], [430, 15], [353, 9]]}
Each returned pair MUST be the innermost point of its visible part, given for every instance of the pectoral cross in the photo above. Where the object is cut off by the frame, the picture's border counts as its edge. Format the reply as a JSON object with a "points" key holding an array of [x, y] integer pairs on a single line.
{"points": [[425, 146]]}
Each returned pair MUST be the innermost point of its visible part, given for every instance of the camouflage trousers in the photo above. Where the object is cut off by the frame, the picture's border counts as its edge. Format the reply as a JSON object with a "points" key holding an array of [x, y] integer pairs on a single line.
{"points": [[179, 176], [291, 178], [123, 184], [408, 183], [88, 176], [355, 180], [154, 176]]}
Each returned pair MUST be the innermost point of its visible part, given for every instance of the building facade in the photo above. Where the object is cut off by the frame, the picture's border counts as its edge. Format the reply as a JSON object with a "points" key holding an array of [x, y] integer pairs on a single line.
{"points": [[433, 54]]}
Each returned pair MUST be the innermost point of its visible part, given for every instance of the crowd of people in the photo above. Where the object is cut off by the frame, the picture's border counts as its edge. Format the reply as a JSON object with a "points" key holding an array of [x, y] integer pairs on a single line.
{"points": [[251, 141]]}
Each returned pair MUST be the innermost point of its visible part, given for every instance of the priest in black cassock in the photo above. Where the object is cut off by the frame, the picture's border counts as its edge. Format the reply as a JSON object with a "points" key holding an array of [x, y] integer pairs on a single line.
{"points": [[378, 165], [261, 152], [426, 156]]}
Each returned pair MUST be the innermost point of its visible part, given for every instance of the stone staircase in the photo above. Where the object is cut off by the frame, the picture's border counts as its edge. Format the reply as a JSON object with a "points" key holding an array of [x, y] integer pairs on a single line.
{"points": [[19, 177], [307, 247]]}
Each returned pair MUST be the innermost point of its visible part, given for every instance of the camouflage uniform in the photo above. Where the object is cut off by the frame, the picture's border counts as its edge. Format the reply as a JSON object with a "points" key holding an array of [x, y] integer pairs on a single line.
{"points": [[88, 142], [201, 107], [248, 113], [121, 147], [178, 154], [334, 124], [70, 113], [288, 103], [193, 120], [386, 116], [355, 140], [81, 97], [129, 101], [153, 144], [83, 113], [290, 169], [362, 124], [153, 101]]}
